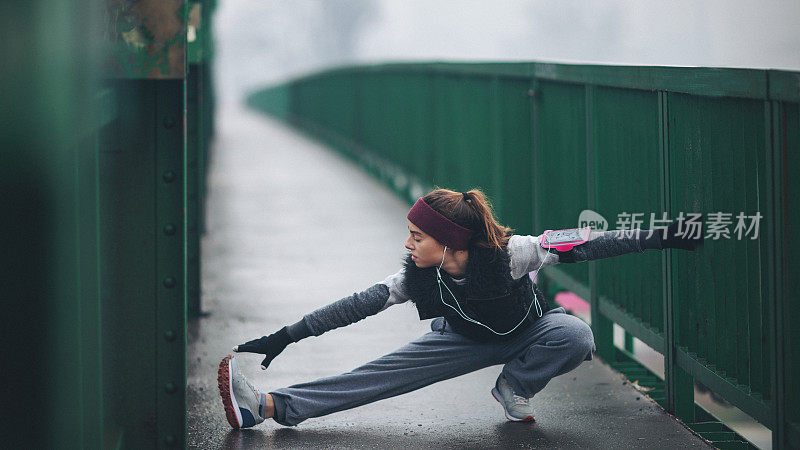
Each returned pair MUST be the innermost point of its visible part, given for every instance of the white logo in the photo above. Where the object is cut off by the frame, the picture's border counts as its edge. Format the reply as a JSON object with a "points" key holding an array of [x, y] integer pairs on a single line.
{"points": [[589, 218]]}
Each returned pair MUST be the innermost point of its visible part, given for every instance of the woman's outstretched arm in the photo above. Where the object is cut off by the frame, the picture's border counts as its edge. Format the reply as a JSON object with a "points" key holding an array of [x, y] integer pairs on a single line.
{"points": [[340, 313], [607, 244], [528, 255]]}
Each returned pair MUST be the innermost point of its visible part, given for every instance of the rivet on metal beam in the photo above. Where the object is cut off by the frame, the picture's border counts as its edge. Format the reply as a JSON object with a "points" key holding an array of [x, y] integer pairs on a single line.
{"points": [[169, 282], [169, 335], [169, 229], [169, 176], [170, 388], [170, 440]]}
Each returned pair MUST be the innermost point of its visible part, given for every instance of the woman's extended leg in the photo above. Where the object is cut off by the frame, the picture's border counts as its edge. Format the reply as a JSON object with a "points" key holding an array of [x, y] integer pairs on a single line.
{"points": [[554, 345], [435, 356]]}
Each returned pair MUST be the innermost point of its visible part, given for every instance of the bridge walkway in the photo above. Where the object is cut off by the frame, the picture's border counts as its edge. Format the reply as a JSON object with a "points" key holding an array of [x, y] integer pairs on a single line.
{"points": [[293, 226]]}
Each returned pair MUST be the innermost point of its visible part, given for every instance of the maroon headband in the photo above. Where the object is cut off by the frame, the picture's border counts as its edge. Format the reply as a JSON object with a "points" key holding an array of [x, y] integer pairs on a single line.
{"points": [[440, 227]]}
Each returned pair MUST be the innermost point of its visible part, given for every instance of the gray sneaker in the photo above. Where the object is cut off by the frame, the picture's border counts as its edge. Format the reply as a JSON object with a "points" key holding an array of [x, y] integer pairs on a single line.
{"points": [[517, 408], [244, 405]]}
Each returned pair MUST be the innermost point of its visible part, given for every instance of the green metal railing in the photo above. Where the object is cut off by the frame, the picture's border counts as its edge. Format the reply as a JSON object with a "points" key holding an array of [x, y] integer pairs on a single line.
{"points": [[548, 141], [105, 127], [200, 130], [52, 129]]}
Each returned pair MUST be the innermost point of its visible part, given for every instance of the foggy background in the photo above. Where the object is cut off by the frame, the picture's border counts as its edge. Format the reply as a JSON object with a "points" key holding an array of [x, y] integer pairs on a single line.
{"points": [[261, 42]]}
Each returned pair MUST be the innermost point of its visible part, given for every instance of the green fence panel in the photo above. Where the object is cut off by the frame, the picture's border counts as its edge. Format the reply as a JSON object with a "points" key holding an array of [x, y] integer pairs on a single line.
{"points": [[560, 162], [419, 125], [513, 142], [716, 146], [627, 184], [390, 121], [474, 134], [398, 117], [371, 102], [788, 136], [449, 137]]}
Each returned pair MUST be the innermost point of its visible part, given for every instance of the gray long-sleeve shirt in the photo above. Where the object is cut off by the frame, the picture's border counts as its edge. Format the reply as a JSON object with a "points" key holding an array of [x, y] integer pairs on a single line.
{"points": [[527, 255]]}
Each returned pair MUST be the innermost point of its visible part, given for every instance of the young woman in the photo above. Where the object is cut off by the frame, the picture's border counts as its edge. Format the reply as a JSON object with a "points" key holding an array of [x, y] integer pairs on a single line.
{"points": [[471, 275]]}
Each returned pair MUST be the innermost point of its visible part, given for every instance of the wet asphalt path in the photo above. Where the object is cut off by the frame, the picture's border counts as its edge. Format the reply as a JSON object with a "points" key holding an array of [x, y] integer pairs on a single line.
{"points": [[292, 227]]}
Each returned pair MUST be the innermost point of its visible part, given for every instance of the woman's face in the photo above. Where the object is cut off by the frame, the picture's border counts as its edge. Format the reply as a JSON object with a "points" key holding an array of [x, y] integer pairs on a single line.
{"points": [[425, 250]]}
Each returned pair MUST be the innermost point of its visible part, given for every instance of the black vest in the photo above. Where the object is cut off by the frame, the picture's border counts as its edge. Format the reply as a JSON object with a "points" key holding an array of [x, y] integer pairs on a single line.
{"points": [[489, 296]]}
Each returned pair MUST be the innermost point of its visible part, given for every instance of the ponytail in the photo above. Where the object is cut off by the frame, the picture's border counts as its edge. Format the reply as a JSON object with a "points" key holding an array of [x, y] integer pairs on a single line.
{"points": [[495, 235], [473, 210]]}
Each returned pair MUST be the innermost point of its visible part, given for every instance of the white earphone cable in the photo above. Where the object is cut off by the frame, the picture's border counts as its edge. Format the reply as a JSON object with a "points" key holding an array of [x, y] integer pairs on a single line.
{"points": [[464, 316]]}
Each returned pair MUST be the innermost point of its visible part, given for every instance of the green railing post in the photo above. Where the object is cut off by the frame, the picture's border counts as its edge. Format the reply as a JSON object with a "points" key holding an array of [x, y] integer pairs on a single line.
{"points": [[171, 270], [195, 143], [143, 234], [775, 171], [602, 327], [88, 210], [497, 143], [199, 123], [679, 386], [143, 231], [536, 219], [629, 347]]}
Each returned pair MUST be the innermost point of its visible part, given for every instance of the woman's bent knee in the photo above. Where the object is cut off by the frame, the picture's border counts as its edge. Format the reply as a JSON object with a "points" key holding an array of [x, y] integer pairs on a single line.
{"points": [[581, 339]]}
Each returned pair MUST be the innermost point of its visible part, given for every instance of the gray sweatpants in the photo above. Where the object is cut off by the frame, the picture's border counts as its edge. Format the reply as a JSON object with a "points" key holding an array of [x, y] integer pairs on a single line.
{"points": [[553, 345]]}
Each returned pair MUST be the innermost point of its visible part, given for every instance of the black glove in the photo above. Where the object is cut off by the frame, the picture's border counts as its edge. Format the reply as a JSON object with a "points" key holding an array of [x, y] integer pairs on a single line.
{"points": [[271, 346], [683, 242]]}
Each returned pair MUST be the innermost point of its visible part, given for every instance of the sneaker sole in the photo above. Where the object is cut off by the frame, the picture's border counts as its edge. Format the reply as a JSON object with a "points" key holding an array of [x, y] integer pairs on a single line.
{"points": [[497, 397], [225, 391]]}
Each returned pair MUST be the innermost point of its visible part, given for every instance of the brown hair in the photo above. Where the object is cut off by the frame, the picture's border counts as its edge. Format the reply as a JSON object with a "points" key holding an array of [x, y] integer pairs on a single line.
{"points": [[473, 212]]}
